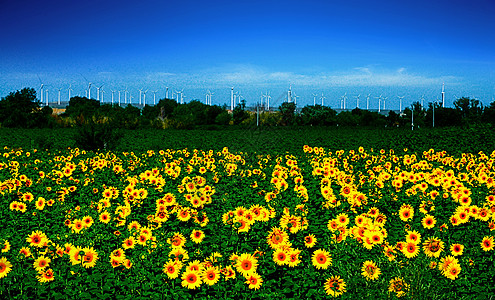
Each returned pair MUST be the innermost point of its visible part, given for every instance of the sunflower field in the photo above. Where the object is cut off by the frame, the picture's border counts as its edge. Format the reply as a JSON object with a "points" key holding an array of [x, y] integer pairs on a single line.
{"points": [[195, 224]]}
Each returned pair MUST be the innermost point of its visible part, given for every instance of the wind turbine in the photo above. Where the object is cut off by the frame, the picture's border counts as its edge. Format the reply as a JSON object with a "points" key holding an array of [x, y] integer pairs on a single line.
{"points": [[422, 100], [113, 92], [41, 90], [384, 102], [46, 97], [379, 102], [232, 98], [322, 98], [368, 102], [98, 92], [166, 92], [154, 97], [69, 89], [140, 92], [342, 101], [443, 94], [289, 94], [400, 102], [314, 99], [102, 95], [268, 97], [144, 97], [357, 100], [89, 90], [119, 97], [295, 98], [59, 96]]}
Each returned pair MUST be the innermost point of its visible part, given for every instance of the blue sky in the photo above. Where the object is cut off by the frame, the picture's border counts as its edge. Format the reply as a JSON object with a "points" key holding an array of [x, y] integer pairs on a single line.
{"points": [[392, 48]]}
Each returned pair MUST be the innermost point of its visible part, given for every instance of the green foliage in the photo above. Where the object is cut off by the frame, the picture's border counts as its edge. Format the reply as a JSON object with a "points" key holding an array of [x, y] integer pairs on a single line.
{"points": [[287, 110], [93, 135], [239, 114], [22, 109]]}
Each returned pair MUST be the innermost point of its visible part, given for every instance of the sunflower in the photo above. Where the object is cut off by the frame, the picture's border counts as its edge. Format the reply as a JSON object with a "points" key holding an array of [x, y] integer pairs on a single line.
{"points": [[46, 276], [398, 286], [453, 271], [410, 250], [254, 281], [104, 217], [310, 240], [75, 255], [37, 239], [172, 268], [294, 258], [321, 259], [41, 263], [195, 265], [177, 240], [228, 272], [369, 270], [456, 249], [210, 275], [413, 236], [335, 286], [89, 258], [445, 263], [428, 221], [87, 221], [184, 214], [25, 251], [5, 267], [129, 243], [118, 255], [197, 236], [191, 279], [40, 203], [6, 246], [487, 243], [277, 237], [406, 212], [280, 257], [433, 247], [246, 264], [342, 219], [77, 226]]}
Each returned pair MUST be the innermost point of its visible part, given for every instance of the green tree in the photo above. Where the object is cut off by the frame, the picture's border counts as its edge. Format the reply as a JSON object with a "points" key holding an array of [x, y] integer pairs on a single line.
{"points": [[239, 114], [22, 109], [471, 110], [489, 114], [288, 112], [317, 115], [82, 108]]}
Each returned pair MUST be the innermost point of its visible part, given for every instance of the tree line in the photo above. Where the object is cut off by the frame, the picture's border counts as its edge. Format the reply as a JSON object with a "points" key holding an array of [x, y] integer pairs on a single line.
{"points": [[23, 109]]}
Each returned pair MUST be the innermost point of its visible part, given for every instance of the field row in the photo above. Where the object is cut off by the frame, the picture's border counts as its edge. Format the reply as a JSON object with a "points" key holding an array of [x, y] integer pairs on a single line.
{"points": [[235, 225]]}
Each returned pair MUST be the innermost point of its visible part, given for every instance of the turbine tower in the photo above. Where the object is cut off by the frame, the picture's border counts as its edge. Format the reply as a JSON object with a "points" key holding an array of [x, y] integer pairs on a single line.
{"points": [[113, 92], [98, 92], [314, 99], [166, 92], [232, 98], [69, 89], [379, 102], [144, 98], [322, 98], [154, 97], [41, 90], [357, 100], [289, 94], [368, 102], [140, 92], [400, 102], [58, 102], [443, 94], [89, 90]]}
